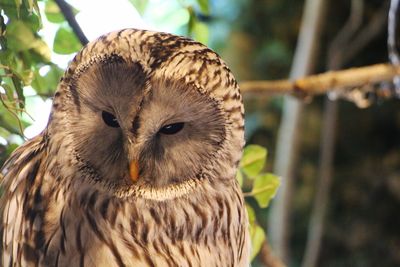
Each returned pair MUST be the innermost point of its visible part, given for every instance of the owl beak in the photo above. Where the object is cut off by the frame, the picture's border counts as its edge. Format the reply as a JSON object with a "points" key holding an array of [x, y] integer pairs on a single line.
{"points": [[134, 170]]}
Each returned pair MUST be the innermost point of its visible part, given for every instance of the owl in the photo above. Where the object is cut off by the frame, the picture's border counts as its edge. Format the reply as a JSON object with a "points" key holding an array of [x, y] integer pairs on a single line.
{"points": [[137, 164]]}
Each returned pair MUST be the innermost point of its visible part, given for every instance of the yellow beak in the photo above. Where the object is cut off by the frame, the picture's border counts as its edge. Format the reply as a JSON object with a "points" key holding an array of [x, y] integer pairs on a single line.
{"points": [[134, 170]]}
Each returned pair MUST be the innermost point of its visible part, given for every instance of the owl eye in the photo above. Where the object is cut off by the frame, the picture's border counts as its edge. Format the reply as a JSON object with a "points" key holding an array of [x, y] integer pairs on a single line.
{"points": [[172, 128], [109, 119]]}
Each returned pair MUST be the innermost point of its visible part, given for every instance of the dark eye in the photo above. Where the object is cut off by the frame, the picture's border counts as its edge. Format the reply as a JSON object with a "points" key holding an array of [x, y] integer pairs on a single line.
{"points": [[172, 128], [109, 119]]}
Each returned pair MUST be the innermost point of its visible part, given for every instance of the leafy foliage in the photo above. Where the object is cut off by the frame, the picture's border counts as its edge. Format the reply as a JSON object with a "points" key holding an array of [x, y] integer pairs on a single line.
{"points": [[25, 61], [22, 54], [263, 188]]}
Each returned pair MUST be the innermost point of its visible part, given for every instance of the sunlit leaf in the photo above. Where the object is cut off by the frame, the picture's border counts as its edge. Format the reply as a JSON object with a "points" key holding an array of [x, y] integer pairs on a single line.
{"points": [[4, 133], [47, 84], [18, 5], [36, 8], [11, 148], [53, 13], [30, 4], [26, 76], [19, 90], [32, 21], [11, 123], [257, 235], [191, 21], [253, 160], [140, 5], [239, 177], [9, 91], [42, 49], [204, 6], [66, 42], [264, 188], [20, 36], [200, 32], [251, 214]]}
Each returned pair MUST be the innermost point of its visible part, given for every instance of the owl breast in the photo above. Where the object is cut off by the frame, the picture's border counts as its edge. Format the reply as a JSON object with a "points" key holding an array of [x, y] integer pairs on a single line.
{"points": [[195, 231], [75, 225]]}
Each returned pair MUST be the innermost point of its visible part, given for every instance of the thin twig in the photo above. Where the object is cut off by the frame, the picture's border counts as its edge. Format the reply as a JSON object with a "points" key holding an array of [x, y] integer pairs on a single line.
{"points": [[9, 109], [66, 10]]}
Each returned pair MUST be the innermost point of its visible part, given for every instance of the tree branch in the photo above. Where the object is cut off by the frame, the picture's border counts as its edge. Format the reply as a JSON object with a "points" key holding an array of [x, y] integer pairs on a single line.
{"points": [[66, 10], [324, 82], [267, 257]]}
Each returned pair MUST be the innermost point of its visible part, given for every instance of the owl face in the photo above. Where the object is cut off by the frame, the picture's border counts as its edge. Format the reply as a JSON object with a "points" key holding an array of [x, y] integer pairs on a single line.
{"points": [[121, 114], [122, 106]]}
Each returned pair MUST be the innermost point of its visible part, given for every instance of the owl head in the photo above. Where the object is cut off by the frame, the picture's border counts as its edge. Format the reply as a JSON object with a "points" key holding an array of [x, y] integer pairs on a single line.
{"points": [[148, 114]]}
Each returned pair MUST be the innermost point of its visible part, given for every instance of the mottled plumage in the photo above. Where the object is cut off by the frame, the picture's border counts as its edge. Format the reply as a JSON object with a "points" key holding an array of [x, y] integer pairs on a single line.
{"points": [[166, 102]]}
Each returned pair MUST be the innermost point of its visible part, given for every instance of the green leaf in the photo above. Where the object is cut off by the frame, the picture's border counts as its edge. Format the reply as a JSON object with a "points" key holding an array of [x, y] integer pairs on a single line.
{"points": [[251, 214], [11, 148], [30, 4], [18, 6], [257, 236], [9, 91], [204, 6], [11, 122], [32, 20], [253, 160], [239, 177], [36, 8], [264, 188], [53, 13], [140, 5], [200, 32], [47, 84], [66, 42], [4, 133], [19, 90], [20, 36], [42, 49]]}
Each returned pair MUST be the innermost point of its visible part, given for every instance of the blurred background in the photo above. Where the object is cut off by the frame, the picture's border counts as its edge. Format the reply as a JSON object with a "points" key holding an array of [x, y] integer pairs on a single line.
{"points": [[339, 199]]}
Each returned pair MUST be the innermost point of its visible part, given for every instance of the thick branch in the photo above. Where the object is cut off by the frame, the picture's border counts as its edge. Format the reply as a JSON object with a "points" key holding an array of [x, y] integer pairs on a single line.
{"points": [[70, 17], [322, 83]]}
